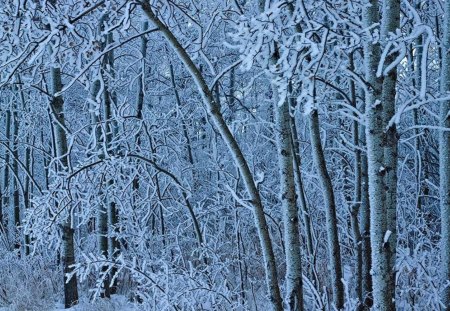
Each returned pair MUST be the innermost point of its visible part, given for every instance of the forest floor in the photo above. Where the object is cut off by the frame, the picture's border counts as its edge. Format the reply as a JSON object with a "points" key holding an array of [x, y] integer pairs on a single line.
{"points": [[116, 303]]}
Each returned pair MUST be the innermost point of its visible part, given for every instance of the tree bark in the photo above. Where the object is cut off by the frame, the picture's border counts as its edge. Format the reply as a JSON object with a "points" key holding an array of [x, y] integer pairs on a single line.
{"points": [[444, 160], [330, 209], [357, 197], [5, 172], [382, 155], [294, 284], [68, 249], [15, 212], [216, 116]]}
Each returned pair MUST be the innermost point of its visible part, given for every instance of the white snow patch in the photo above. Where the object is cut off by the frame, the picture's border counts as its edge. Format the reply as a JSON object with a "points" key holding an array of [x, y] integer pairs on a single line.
{"points": [[387, 235]]}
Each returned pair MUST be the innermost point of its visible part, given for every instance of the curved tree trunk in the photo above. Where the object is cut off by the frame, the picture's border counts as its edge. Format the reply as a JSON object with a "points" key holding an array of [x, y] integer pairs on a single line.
{"points": [[330, 208], [215, 114]]}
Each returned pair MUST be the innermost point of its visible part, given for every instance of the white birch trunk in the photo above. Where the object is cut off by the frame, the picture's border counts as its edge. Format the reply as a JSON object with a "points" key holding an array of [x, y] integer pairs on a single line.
{"points": [[382, 157], [294, 291], [330, 211], [304, 209]]}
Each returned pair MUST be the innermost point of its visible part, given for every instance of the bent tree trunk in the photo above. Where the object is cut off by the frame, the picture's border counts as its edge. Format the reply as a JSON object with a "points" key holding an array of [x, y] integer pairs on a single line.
{"points": [[216, 116], [68, 250], [330, 206], [444, 160]]}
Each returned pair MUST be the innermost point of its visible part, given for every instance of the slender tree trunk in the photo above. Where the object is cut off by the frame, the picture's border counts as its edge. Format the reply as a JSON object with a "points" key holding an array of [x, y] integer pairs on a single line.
{"points": [[354, 209], [304, 209], [365, 230], [216, 116], [183, 121], [391, 22], [417, 65], [68, 249], [294, 289], [330, 206], [444, 160], [5, 172], [15, 221], [140, 100], [27, 185], [382, 156]]}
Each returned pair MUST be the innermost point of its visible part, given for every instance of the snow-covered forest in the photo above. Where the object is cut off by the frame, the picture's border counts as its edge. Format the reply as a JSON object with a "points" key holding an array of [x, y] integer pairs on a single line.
{"points": [[225, 155]]}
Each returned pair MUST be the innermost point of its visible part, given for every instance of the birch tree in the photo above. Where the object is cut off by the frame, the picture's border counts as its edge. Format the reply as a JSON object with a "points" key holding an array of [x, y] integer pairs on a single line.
{"points": [[382, 153]]}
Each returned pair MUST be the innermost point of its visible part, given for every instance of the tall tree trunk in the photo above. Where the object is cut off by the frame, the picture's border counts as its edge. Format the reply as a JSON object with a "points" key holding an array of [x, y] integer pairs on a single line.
{"points": [[5, 172], [367, 288], [216, 116], [27, 186], [417, 83], [68, 249], [294, 289], [15, 221], [444, 160], [330, 209], [304, 209], [382, 156], [390, 23], [140, 100], [355, 208]]}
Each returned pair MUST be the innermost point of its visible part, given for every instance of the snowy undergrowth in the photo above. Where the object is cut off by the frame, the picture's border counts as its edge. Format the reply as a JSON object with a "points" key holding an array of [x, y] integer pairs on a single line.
{"points": [[115, 303], [28, 284]]}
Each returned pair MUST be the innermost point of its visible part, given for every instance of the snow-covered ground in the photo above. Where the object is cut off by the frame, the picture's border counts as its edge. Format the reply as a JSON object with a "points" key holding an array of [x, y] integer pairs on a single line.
{"points": [[115, 303]]}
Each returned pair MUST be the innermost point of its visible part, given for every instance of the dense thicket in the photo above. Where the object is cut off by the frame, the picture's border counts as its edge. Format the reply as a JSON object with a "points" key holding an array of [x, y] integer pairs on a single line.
{"points": [[225, 155]]}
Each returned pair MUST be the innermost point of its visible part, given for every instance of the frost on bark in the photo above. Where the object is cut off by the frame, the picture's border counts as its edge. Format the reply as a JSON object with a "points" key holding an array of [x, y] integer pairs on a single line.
{"points": [[367, 287], [216, 116], [294, 291], [444, 160], [357, 198], [382, 154], [330, 209], [304, 209], [365, 230], [68, 249]]}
